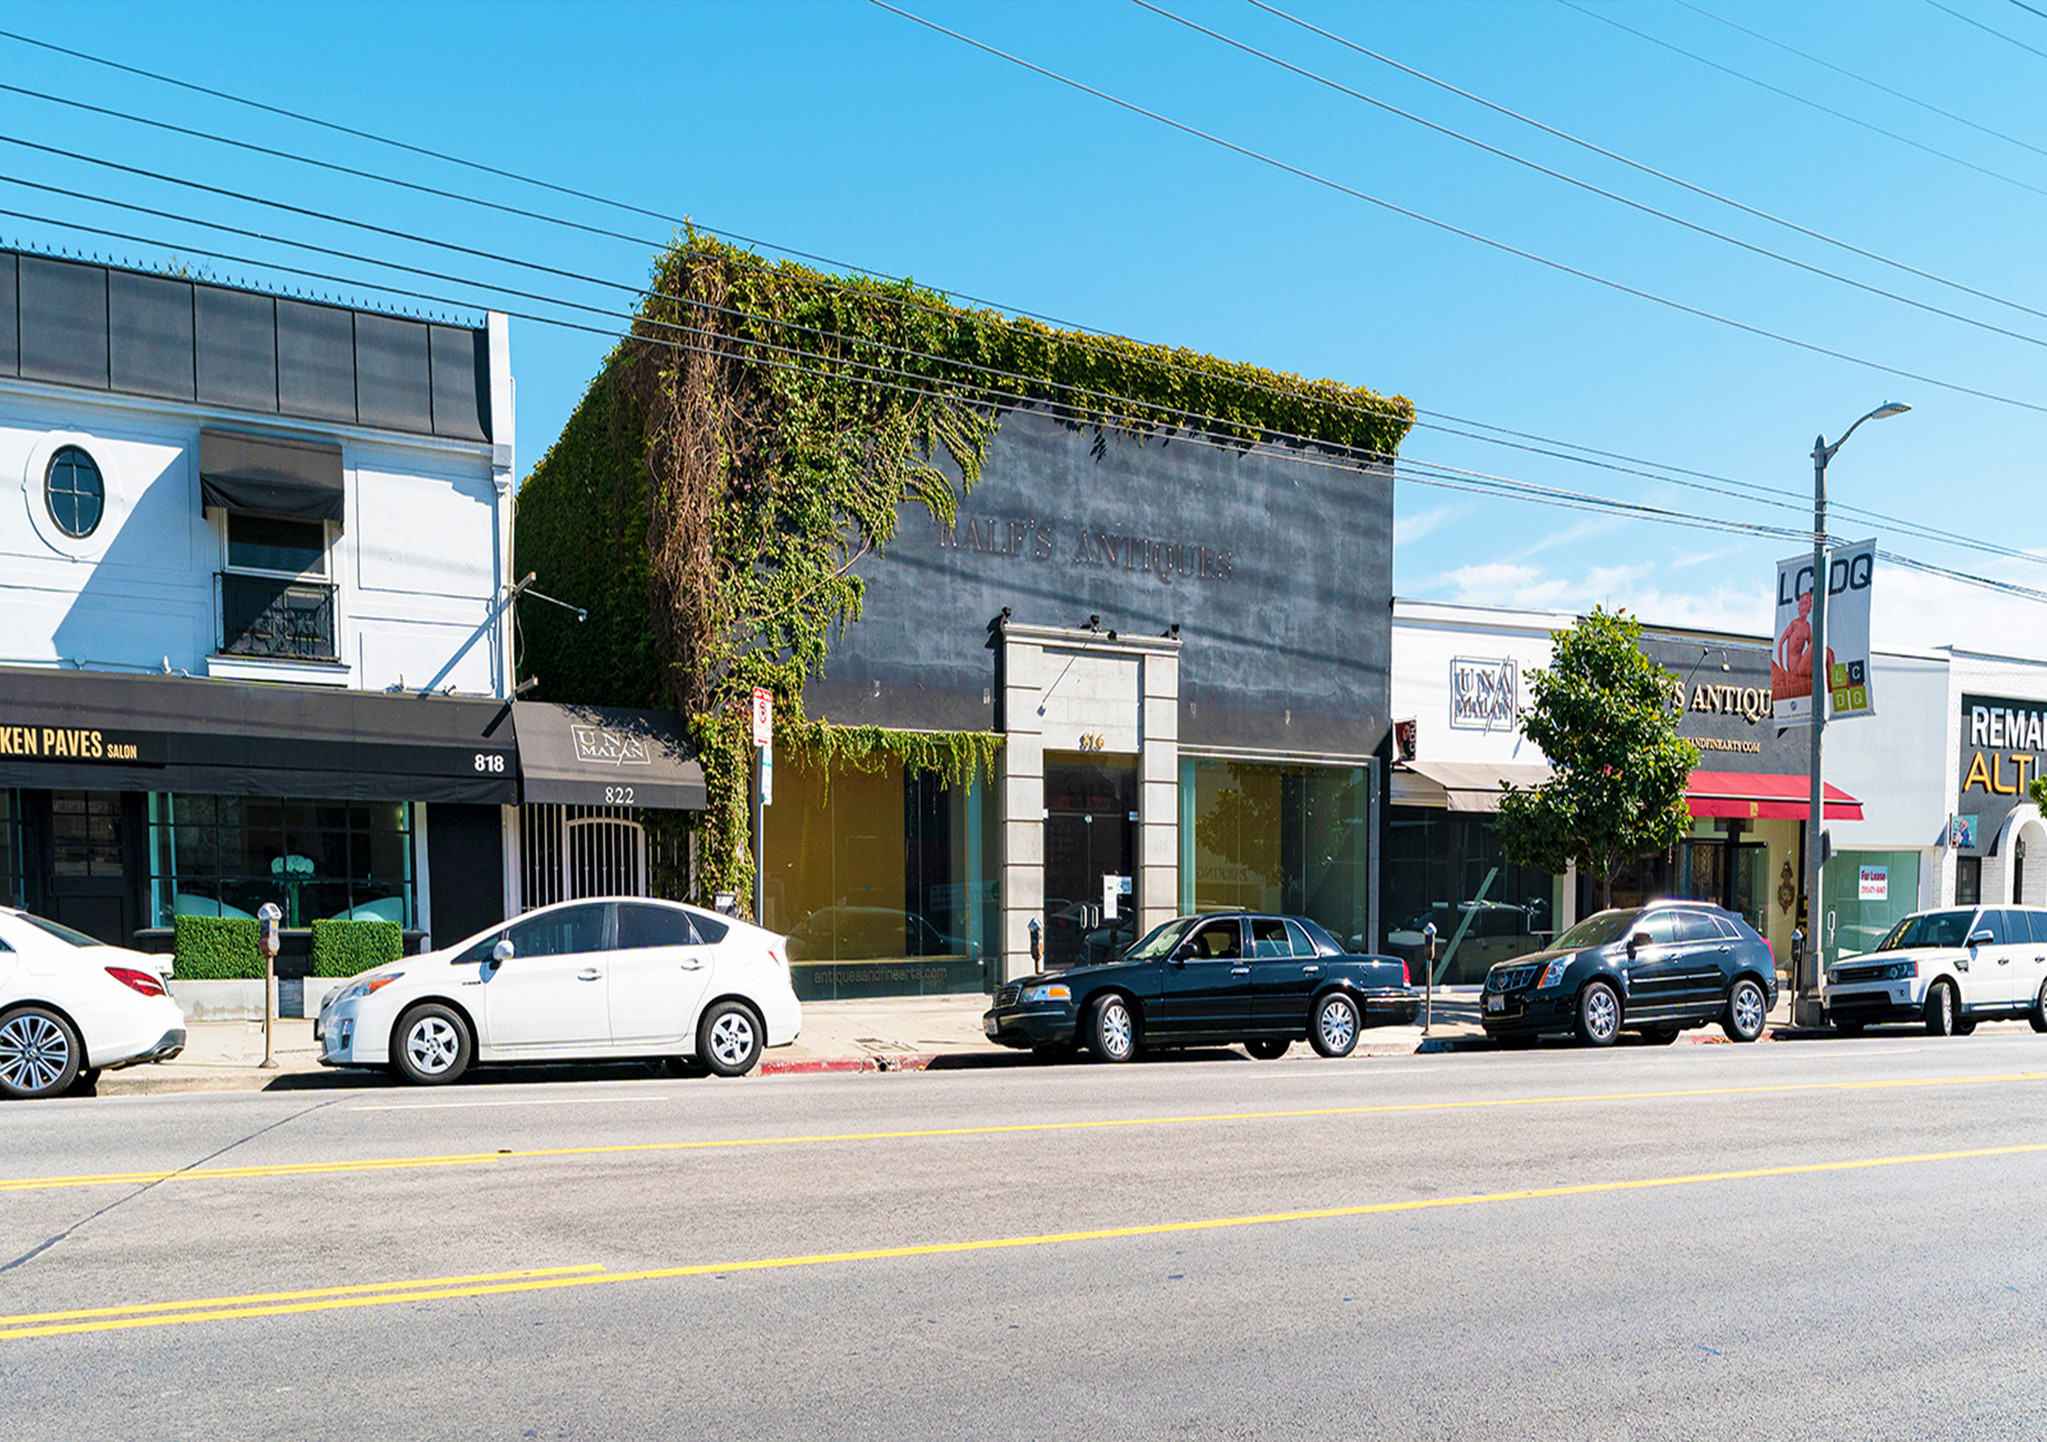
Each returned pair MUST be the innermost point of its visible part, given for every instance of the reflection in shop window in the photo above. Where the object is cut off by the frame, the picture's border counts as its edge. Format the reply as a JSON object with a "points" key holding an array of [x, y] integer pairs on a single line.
{"points": [[1446, 869], [227, 855], [884, 881], [1866, 893], [13, 868], [1255, 836]]}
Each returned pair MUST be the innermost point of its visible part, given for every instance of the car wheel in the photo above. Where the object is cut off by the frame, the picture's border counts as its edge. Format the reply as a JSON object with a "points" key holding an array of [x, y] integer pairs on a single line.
{"points": [[729, 1039], [431, 1046], [1268, 1048], [1940, 1010], [1334, 1030], [1747, 1011], [1112, 1030], [1964, 1025], [39, 1053], [2038, 1015], [1661, 1035], [1599, 1014]]}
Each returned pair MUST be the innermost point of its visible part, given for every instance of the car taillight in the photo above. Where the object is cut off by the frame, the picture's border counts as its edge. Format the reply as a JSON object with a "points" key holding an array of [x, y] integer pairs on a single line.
{"points": [[148, 983], [1406, 976]]}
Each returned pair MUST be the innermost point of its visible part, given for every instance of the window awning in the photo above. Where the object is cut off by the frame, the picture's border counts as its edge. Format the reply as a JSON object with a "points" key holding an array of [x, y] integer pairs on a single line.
{"points": [[270, 475], [1468, 785], [1761, 796], [606, 756]]}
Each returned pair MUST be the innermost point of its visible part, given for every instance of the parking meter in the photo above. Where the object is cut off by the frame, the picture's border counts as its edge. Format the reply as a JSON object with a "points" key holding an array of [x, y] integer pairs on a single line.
{"points": [[1429, 979], [267, 919], [1037, 932]]}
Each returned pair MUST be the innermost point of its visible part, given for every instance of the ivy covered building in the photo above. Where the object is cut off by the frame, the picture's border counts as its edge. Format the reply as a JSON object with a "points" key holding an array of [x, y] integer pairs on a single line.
{"points": [[1067, 635]]}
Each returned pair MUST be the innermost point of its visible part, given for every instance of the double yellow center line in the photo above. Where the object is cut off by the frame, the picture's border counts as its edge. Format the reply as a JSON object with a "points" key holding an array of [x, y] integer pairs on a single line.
{"points": [[472, 1159], [545, 1279]]}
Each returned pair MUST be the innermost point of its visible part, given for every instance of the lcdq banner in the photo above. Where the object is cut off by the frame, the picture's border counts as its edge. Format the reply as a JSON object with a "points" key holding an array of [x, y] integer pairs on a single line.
{"points": [[1846, 667]]}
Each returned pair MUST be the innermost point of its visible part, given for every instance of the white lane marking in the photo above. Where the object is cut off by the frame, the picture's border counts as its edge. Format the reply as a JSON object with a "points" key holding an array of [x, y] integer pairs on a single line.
{"points": [[509, 1102]]}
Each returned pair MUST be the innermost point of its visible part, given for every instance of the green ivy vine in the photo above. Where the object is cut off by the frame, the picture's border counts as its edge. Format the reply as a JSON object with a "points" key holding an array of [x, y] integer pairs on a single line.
{"points": [[759, 432]]}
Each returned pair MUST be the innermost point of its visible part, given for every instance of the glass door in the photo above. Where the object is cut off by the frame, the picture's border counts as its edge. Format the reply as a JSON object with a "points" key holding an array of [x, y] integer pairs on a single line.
{"points": [[1090, 833]]}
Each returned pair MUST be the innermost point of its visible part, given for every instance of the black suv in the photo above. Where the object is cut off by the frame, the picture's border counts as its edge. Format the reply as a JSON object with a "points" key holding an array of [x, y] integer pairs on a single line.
{"points": [[1656, 969]]}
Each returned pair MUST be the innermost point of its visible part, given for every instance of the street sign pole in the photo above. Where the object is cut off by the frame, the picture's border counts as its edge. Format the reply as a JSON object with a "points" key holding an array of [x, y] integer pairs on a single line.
{"points": [[1429, 981], [267, 919], [763, 761]]}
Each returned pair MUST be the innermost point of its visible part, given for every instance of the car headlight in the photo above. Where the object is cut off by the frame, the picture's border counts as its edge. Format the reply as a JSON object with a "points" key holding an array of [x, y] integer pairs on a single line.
{"points": [[1055, 991], [368, 985], [1553, 974], [1901, 971]]}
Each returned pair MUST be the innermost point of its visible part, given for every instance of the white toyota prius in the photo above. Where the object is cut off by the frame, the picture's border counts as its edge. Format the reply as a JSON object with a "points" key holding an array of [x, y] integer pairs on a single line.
{"points": [[580, 980], [72, 1006]]}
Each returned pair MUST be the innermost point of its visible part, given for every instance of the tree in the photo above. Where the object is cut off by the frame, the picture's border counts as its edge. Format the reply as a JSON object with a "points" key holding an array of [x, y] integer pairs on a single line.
{"points": [[1601, 713]]}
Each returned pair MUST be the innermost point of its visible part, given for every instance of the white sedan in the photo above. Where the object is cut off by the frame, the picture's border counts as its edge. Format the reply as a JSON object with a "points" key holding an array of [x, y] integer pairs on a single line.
{"points": [[580, 980], [71, 1006]]}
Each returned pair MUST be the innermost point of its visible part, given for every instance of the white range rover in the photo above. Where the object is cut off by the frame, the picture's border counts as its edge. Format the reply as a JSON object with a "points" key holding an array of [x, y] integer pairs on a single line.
{"points": [[1949, 969]]}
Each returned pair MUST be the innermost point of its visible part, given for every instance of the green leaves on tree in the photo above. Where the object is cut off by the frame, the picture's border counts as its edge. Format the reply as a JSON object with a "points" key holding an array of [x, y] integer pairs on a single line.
{"points": [[1601, 712]]}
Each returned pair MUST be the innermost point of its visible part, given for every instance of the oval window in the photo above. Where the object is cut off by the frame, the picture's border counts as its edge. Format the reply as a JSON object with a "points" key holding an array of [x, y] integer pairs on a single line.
{"points": [[74, 493]]}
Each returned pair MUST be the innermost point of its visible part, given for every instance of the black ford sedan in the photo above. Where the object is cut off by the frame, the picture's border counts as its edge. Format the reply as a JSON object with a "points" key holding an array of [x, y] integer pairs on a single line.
{"points": [[1655, 969], [1215, 979]]}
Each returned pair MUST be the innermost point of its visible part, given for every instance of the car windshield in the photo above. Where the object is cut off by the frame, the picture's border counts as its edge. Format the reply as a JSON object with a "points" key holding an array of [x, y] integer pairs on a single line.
{"points": [[1159, 941], [1934, 928], [1597, 930], [62, 933]]}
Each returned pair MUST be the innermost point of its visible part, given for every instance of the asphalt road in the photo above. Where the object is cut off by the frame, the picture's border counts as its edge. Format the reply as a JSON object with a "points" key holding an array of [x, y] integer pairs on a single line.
{"points": [[1799, 1240]]}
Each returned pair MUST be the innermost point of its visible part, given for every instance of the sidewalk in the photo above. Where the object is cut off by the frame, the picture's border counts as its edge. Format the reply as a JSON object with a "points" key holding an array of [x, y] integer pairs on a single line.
{"points": [[933, 1033]]}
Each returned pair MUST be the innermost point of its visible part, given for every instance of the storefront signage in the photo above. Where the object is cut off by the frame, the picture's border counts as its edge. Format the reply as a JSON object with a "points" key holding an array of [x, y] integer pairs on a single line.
{"points": [[1849, 573], [1040, 541], [1485, 694], [602, 746], [2004, 748], [1961, 833], [78, 743], [1873, 883], [1720, 695]]}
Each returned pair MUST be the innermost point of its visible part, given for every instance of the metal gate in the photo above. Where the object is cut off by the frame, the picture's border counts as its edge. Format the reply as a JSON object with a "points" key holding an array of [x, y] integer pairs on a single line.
{"points": [[568, 852]]}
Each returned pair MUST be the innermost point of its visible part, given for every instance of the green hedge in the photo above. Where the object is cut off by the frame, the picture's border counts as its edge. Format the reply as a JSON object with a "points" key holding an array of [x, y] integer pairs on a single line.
{"points": [[343, 948], [216, 948]]}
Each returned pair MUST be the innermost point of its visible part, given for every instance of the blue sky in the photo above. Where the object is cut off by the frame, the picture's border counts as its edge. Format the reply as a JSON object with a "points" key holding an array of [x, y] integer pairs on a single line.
{"points": [[849, 132]]}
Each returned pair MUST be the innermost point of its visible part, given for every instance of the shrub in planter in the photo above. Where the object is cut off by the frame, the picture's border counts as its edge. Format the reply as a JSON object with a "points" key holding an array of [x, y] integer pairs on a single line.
{"points": [[343, 948], [216, 948]]}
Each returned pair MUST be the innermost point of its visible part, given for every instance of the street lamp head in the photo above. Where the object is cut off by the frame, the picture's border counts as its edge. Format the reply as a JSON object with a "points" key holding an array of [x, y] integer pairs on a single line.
{"points": [[1889, 409]]}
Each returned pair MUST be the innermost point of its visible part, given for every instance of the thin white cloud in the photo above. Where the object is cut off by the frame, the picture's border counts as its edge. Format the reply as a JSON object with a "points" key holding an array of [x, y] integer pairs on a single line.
{"points": [[1412, 527]]}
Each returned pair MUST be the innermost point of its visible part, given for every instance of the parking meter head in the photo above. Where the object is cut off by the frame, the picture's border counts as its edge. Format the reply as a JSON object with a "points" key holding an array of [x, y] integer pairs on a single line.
{"points": [[267, 919]]}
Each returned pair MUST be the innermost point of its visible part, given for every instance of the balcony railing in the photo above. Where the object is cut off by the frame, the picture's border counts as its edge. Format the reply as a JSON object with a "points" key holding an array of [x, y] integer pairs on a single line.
{"points": [[267, 616]]}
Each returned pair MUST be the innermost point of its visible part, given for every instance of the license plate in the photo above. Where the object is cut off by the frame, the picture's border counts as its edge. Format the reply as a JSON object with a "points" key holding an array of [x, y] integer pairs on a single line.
{"points": [[1496, 1002], [989, 1025]]}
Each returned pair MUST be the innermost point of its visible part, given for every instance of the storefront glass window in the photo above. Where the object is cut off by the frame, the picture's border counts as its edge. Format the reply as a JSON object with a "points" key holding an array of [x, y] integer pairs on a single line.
{"points": [[13, 870], [1261, 837], [1447, 868], [1866, 894], [227, 855], [885, 882]]}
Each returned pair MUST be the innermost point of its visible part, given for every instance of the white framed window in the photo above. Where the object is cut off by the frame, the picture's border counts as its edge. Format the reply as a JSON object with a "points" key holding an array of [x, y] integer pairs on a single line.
{"points": [[275, 546]]}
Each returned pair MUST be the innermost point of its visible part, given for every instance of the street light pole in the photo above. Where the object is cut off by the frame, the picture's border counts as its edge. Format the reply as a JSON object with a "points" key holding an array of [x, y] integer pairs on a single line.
{"points": [[1808, 1005]]}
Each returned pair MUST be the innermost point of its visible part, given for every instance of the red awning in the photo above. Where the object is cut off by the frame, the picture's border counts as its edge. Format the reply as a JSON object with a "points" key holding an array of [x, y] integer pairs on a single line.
{"points": [[1758, 797]]}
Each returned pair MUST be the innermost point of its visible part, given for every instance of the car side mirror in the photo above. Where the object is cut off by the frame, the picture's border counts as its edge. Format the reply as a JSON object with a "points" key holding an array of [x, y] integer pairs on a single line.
{"points": [[1183, 953], [1979, 936], [1639, 940], [503, 950]]}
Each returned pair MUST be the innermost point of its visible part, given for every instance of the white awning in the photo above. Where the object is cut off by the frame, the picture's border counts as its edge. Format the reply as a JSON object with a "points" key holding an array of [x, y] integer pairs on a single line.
{"points": [[1461, 785]]}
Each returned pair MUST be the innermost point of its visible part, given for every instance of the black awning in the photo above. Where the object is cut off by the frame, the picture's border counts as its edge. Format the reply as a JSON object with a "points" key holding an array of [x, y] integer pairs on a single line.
{"points": [[606, 756], [94, 730], [271, 475]]}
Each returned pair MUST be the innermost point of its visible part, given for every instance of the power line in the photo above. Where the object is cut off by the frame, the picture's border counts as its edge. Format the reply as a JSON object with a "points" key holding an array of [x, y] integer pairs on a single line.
{"points": [[1586, 185], [1805, 100], [1767, 496], [1447, 227], [1971, 20], [1646, 169], [1081, 331], [1876, 85]]}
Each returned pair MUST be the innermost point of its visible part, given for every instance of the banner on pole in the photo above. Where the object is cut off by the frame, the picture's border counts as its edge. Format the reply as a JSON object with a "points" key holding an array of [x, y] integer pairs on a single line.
{"points": [[1846, 666], [763, 716]]}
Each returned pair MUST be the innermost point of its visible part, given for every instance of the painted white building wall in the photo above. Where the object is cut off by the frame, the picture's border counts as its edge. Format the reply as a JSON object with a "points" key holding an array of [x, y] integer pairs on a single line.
{"points": [[1428, 638], [418, 565], [1899, 764]]}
